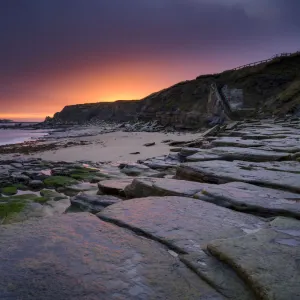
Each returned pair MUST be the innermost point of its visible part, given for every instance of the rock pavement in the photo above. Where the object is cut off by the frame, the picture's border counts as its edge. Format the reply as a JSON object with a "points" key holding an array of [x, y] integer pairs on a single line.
{"points": [[217, 218]]}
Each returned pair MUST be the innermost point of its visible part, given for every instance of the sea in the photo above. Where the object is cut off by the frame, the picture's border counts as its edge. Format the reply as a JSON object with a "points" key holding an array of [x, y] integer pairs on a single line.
{"points": [[15, 136]]}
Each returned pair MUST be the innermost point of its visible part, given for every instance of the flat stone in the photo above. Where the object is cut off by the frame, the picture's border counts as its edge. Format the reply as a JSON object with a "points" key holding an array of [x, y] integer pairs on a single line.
{"points": [[145, 187], [114, 186], [268, 260], [218, 275], [258, 200], [236, 142], [77, 188], [182, 223], [77, 256], [203, 156], [237, 195], [93, 203], [248, 154], [161, 163], [149, 144], [135, 169], [52, 195], [187, 151], [220, 171]]}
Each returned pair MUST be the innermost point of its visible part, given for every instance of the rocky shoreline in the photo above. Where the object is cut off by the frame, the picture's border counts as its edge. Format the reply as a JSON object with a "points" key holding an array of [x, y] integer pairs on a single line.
{"points": [[216, 218]]}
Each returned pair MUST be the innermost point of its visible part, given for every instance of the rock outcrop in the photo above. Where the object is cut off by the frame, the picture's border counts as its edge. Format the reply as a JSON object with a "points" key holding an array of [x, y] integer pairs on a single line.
{"points": [[194, 224], [267, 89]]}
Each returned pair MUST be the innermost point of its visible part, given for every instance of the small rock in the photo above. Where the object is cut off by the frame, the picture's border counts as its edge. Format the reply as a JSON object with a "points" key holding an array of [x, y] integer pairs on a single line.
{"points": [[149, 144], [36, 184]]}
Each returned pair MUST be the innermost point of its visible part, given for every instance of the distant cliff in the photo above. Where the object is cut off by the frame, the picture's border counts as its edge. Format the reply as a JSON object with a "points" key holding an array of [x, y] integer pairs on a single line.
{"points": [[270, 88], [6, 121]]}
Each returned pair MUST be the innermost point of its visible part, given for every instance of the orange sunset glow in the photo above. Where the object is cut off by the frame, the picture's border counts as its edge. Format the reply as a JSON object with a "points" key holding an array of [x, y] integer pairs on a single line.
{"points": [[63, 52], [124, 81]]}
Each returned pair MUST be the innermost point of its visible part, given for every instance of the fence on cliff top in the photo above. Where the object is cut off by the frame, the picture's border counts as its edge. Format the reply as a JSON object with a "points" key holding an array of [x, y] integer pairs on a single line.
{"points": [[267, 60]]}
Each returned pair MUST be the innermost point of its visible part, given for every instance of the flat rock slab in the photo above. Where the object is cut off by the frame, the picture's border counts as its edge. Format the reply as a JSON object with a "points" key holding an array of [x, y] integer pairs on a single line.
{"points": [[236, 142], [203, 156], [161, 162], [220, 171], [238, 153], [237, 195], [77, 256], [183, 223], [114, 186], [254, 199], [268, 260], [145, 187]]}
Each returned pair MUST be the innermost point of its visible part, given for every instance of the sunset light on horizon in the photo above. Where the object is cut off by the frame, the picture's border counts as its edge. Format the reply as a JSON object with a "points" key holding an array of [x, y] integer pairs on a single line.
{"points": [[61, 52]]}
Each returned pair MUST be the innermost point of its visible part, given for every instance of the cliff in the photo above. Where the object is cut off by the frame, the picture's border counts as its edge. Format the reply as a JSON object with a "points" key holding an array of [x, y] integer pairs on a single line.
{"points": [[268, 88]]}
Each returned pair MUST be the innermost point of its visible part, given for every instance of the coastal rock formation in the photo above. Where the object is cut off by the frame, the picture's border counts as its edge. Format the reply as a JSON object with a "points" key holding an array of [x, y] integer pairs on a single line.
{"points": [[186, 104], [194, 224], [80, 257]]}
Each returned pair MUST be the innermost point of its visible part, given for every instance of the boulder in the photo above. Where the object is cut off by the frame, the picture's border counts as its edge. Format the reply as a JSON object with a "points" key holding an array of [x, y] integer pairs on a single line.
{"points": [[77, 256]]}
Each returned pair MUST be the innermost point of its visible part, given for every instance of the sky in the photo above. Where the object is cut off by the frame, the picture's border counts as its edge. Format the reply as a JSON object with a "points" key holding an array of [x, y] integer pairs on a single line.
{"points": [[61, 52]]}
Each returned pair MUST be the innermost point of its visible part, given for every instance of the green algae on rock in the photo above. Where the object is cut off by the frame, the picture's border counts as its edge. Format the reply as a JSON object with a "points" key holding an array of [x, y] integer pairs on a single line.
{"points": [[9, 190], [52, 195], [59, 181]]}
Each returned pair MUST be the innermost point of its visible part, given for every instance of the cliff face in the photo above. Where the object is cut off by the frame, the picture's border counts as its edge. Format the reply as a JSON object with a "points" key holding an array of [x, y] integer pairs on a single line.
{"points": [[108, 111], [269, 88]]}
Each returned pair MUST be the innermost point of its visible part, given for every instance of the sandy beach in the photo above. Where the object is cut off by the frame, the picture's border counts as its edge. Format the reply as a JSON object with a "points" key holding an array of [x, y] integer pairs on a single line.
{"points": [[113, 147], [117, 146]]}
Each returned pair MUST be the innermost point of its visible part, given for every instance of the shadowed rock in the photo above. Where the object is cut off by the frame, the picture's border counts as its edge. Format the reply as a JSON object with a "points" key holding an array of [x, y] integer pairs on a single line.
{"points": [[93, 204], [268, 260], [77, 256], [114, 186]]}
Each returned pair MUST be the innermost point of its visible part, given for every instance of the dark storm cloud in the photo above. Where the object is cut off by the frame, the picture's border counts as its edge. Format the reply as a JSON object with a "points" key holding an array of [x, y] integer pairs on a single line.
{"points": [[45, 37]]}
